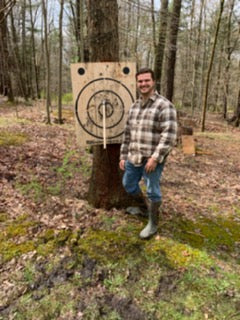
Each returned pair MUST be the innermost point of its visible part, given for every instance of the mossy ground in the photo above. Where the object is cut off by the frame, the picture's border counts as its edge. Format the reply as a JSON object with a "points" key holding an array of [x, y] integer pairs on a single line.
{"points": [[8, 138], [165, 277], [62, 259]]}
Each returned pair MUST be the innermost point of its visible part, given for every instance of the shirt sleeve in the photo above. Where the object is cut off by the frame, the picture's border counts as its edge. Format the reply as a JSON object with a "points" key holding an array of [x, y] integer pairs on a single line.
{"points": [[168, 135]]}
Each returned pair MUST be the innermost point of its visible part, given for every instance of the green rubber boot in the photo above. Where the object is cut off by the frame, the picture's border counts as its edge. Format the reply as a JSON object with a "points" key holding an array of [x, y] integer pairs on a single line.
{"points": [[152, 226]]}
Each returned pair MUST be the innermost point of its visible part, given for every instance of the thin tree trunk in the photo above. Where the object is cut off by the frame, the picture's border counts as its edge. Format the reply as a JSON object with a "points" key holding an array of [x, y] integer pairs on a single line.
{"points": [[60, 120], [237, 112], [5, 82], [17, 60], [159, 53], [236, 117], [172, 49], [47, 61], [34, 55], [205, 96], [196, 60], [126, 39], [137, 28], [205, 45], [23, 58], [218, 83], [153, 25], [229, 51]]}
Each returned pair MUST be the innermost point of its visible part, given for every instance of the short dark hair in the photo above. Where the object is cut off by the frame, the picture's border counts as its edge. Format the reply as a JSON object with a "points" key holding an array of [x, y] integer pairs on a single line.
{"points": [[146, 70]]}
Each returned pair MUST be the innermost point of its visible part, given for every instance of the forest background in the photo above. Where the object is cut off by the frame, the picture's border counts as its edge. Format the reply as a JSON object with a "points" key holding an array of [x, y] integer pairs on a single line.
{"points": [[40, 39]]}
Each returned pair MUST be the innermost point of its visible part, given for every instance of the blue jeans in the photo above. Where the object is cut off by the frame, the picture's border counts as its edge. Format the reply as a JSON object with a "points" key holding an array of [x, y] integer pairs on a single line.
{"points": [[132, 176]]}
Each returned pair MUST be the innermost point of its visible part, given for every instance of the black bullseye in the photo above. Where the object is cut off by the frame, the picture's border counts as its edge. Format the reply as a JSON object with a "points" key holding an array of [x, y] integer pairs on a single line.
{"points": [[108, 109]]}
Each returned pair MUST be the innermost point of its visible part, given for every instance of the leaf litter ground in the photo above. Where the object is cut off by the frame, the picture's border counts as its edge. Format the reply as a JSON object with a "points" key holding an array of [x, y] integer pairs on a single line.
{"points": [[62, 259]]}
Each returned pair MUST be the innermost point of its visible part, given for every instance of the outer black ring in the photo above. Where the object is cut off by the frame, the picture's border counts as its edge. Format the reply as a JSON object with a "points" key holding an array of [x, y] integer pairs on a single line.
{"points": [[115, 124], [78, 97]]}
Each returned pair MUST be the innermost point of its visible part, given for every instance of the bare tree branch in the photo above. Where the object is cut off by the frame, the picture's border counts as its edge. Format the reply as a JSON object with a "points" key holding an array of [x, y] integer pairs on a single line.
{"points": [[6, 9]]}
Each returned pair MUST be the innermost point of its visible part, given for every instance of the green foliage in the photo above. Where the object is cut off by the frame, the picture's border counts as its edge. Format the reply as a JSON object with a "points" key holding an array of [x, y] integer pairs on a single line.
{"points": [[66, 170], [33, 189], [12, 139], [67, 98], [71, 165]]}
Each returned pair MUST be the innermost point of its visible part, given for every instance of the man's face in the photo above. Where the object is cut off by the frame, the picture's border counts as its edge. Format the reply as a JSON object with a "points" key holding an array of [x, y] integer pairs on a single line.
{"points": [[145, 84]]}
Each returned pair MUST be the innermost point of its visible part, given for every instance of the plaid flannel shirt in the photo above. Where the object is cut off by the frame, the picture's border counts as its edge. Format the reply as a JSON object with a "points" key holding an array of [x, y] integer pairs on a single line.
{"points": [[150, 130]]}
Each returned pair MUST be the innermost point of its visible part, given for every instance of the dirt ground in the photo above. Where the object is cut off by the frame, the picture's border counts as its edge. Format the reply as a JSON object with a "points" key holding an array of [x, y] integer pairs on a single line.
{"points": [[43, 183]]}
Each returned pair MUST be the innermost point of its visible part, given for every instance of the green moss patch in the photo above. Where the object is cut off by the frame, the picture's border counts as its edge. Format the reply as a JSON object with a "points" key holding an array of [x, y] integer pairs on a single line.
{"points": [[8, 138], [10, 121], [17, 237], [3, 217], [49, 241], [216, 234], [176, 255], [9, 249], [108, 246], [16, 228]]}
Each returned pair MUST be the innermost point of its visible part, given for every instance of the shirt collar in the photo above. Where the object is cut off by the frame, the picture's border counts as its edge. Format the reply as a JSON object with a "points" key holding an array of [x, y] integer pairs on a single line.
{"points": [[153, 97]]}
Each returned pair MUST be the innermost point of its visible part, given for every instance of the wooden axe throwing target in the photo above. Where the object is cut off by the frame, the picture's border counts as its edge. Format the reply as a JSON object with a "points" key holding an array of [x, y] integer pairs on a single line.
{"points": [[103, 94]]}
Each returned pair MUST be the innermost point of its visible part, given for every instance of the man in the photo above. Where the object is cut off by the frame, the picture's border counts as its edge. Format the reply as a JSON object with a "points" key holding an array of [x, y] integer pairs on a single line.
{"points": [[149, 135]]}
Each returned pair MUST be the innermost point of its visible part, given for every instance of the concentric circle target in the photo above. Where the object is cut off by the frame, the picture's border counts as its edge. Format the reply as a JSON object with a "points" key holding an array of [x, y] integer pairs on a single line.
{"points": [[103, 97]]}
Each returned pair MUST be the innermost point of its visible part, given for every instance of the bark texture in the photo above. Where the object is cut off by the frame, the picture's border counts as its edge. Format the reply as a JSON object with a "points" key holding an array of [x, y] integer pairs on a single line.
{"points": [[105, 189]]}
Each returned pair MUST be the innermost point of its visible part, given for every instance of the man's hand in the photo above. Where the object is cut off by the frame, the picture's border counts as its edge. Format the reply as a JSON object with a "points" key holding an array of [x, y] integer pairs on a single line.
{"points": [[151, 165], [122, 165]]}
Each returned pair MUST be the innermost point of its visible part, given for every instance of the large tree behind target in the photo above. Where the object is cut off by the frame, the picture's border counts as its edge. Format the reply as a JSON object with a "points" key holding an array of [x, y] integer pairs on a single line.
{"points": [[105, 188]]}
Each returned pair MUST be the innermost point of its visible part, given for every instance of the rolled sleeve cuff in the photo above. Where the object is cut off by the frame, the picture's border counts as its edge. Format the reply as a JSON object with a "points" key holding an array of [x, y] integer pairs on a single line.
{"points": [[123, 157], [158, 158]]}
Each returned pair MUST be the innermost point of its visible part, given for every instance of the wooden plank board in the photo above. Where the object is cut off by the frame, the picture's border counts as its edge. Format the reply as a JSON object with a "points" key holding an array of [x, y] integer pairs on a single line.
{"points": [[103, 93], [188, 145]]}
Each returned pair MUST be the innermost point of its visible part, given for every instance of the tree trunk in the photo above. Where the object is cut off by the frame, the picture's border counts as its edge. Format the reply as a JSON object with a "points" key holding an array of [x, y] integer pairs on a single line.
{"points": [[159, 53], [218, 82], [20, 74], [236, 117], [229, 51], [79, 23], [105, 188], [205, 96], [34, 56], [47, 61], [5, 80], [172, 49], [60, 121], [196, 60], [237, 112], [136, 36], [23, 56], [153, 25]]}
